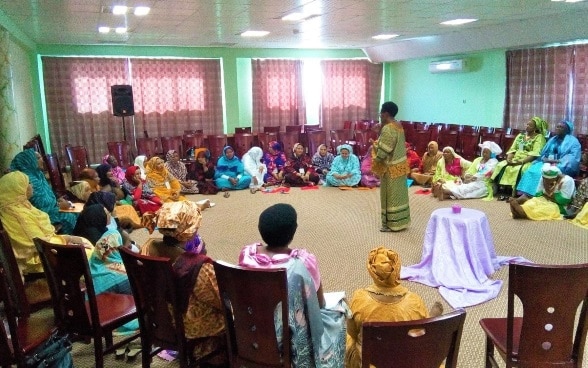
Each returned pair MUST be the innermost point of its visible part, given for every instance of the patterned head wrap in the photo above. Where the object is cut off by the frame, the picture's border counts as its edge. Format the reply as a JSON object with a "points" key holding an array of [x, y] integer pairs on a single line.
{"points": [[80, 189], [105, 159], [383, 265], [540, 125], [169, 155], [549, 171], [295, 146], [179, 220], [318, 149], [275, 145]]}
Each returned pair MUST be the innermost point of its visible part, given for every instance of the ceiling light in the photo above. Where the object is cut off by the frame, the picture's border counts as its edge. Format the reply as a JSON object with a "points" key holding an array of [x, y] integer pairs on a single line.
{"points": [[254, 33], [141, 10], [384, 36], [567, 1], [292, 17], [457, 22], [103, 29], [119, 10], [121, 30]]}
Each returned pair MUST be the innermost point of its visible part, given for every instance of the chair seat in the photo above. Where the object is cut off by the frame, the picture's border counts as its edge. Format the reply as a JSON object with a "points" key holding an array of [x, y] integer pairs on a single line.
{"points": [[34, 330], [495, 329], [114, 308]]}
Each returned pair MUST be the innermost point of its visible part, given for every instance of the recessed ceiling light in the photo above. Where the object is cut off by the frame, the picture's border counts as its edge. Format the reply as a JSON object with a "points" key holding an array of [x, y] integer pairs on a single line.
{"points": [[141, 10], [384, 36], [103, 29], [457, 22], [121, 30], [292, 17], [254, 33], [119, 9]]}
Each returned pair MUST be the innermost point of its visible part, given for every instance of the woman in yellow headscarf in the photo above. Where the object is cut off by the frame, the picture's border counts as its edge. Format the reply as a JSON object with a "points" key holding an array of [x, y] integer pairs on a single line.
{"points": [[164, 184], [384, 300]]}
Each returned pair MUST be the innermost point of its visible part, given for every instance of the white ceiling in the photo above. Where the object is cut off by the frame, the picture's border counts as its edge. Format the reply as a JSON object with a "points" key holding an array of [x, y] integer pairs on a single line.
{"points": [[341, 24]]}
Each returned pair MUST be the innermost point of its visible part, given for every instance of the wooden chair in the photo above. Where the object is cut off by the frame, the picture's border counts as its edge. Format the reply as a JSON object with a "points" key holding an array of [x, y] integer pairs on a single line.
{"points": [[146, 147], [315, 139], [409, 131], [288, 140], [294, 128], [55, 174], [339, 137], [423, 343], [25, 333], [362, 143], [242, 130], [122, 152], [544, 336], [307, 128], [192, 141], [448, 138], [216, 144], [434, 132], [78, 160], [263, 139], [154, 286], [194, 131], [35, 143], [468, 145], [421, 141], [172, 143], [243, 142], [505, 143], [362, 125], [271, 129], [28, 297], [249, 319], [348, 124], [81, 312]]}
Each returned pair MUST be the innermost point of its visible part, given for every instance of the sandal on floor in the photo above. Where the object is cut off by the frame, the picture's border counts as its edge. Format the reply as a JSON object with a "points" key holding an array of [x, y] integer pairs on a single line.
{"points": [[120, 352], [252, 190], [385, 229], [132, 351]]}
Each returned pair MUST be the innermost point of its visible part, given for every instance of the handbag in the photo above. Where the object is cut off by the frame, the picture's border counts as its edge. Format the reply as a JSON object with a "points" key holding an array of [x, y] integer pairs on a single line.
{"points": [[55, 352]]}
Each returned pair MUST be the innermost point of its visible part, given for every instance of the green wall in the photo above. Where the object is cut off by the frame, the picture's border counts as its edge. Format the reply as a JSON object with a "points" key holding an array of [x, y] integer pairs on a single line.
{"points": [[473, 97]]}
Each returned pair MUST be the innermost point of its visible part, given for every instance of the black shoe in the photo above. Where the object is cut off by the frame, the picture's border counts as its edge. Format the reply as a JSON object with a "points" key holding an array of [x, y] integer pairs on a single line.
{"points": [[571, 213]]}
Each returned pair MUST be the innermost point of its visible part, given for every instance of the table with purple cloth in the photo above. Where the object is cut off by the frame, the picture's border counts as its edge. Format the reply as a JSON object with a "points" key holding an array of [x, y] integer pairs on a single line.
{"points": [[458, 258]]}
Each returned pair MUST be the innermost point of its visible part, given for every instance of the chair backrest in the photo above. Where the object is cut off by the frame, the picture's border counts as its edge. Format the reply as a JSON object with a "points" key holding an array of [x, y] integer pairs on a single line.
{"points": [[288, 140], [10, 347], [294, 128], [78, 160], [264, 138], [189, 141], [66, 268], [362, 142], [146, 146], [250, 318], [35, 143], [339, 137], [421, 141], [154, 287], [448, 138], [172, 143], [242, 129], [271, 129], [315, 139], [423, 343], [13, 277], [243, 142], [551, 296], [121, 151], [216, 143], [55, 174], [468, 144]]}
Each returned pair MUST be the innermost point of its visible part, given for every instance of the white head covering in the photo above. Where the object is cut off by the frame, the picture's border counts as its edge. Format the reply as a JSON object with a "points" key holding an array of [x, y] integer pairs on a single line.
{"points": [[492, 146], [549, 171], [140, 161]]}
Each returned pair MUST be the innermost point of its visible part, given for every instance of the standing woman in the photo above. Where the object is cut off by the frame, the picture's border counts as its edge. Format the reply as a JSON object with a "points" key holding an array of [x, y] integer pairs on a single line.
{"points": [[230, 173], [31, 164], [299, 169], [391, 166], [204, 172], [254, 168]]}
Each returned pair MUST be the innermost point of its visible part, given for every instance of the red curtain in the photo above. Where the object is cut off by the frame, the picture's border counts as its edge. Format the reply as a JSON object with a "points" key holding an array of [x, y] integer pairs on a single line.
{"points": [[277, 93], [549, 83], [170, 96], [351, 91]]}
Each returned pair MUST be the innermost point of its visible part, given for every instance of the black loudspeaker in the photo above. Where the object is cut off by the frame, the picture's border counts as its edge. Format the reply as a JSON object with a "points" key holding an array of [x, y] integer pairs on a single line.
{"points": [[122, 100]]}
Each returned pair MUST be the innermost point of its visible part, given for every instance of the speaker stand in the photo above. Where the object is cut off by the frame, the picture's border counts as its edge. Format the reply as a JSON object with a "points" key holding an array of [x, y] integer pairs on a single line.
{"points": [[124, 129]]}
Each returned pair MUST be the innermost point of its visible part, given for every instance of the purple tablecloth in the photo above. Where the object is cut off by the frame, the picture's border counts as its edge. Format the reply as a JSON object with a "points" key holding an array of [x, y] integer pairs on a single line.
{"points": [[458, 257]]}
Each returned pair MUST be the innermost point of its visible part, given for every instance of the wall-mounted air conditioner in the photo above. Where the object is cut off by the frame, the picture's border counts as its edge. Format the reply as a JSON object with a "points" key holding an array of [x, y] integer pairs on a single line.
{"points": [[447, 66]]}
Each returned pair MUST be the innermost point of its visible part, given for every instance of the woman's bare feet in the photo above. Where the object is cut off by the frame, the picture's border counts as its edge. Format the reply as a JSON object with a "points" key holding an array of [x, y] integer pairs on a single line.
{"points": [[204, 204], [436, 309]]}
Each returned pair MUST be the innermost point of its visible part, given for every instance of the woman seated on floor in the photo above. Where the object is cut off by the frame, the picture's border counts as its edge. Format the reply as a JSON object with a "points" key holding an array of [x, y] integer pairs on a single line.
{"points": [[118, 172], [204, 171], [254, 168], [144, 200], [299, 171], [277, 226], [177, 168], [230, 173], [345, 170], [578, 210], [426, 170], [368, 178], [163, 184], [322, 161], [108, 183], [385, 300], [476, 181], [79, 191], [199, 298], [31, 164], [274, 159], [140, 161], [526, 147], [412, 158], [553, 194], [117, 222], [449, 172], [562, 150], [90, 176], [23, 222]]}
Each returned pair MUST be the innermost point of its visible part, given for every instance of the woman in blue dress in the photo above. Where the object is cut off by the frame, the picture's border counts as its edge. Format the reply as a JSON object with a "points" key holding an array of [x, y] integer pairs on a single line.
{"points": [[345, 170], [230, 172]]}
